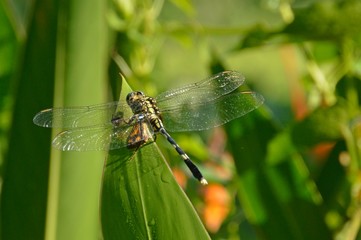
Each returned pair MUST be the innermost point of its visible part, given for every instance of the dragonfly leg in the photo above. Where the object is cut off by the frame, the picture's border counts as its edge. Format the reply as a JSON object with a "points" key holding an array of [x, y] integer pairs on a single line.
{"points": [[117, 120], [192, 167]]}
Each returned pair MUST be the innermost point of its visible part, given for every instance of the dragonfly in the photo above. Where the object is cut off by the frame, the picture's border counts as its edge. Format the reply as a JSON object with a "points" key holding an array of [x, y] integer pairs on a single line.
{"points": [[133, 122]]}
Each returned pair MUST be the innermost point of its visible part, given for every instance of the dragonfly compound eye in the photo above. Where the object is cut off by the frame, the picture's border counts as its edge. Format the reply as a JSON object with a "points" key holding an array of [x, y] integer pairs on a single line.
{"points": [[133, 96], [139, 94], [129, 96]]}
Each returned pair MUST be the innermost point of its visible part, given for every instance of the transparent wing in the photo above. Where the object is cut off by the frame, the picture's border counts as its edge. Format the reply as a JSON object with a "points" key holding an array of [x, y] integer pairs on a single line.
{"points": [[206, 90], [104, 137], [205, 115], [75, 117]]}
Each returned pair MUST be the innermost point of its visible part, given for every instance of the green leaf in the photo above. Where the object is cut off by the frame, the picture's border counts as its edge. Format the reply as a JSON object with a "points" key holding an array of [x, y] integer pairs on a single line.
{"points": [[141, 199], [322, 21], [62, 204], [274, 186], [75, 177], [321, 125], [25, 182], [185, 6], [332, 178]]}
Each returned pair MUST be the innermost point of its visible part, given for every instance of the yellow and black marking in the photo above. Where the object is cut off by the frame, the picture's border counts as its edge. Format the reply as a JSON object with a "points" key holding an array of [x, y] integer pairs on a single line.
{"points": [[147, 107]]}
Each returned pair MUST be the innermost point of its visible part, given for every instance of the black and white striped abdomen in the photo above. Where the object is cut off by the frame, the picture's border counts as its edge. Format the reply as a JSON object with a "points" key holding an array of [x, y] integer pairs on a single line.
{"points": [[195, 171]]}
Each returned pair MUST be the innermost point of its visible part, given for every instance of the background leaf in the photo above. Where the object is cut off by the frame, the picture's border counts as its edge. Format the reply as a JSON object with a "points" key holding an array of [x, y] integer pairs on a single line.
{"points": [[24, 192]]}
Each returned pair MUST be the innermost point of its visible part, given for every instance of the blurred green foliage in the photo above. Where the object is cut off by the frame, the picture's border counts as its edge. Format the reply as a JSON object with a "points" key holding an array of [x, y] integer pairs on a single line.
{"points": [[291, 169]]}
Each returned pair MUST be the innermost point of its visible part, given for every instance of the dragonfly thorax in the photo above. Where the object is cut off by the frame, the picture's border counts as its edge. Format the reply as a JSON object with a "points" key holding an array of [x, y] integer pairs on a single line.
{"points": [[142, 104]]}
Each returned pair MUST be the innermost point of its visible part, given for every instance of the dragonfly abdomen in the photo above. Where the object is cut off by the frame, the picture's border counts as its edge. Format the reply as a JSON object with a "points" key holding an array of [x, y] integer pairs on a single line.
{"points": [[192, 167]]}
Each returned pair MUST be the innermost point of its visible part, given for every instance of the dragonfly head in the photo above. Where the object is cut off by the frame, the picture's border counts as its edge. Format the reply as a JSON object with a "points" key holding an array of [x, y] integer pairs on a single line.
{"points": [[134, 99], [134, 96]]}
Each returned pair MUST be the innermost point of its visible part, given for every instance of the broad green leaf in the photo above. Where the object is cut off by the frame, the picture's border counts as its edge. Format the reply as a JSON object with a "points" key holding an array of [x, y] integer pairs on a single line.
{"points": [[141, 199], [25, 183], [8, 46], [75, 177], [77, 54]]}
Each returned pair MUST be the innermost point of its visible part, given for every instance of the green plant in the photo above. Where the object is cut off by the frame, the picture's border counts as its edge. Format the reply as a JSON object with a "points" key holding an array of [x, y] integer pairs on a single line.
{"points": [[288, 171]]}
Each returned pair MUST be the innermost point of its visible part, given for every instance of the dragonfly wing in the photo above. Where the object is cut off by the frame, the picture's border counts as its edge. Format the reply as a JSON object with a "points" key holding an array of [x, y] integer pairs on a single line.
{"points": [[76, 117], [201, 116], [206, 90], [106, 137], [89, 139]]}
